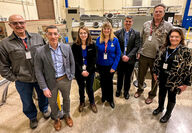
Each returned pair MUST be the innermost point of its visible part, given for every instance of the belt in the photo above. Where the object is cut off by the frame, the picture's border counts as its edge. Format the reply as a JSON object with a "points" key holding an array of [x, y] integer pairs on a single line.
{"points": [[61, 78]]}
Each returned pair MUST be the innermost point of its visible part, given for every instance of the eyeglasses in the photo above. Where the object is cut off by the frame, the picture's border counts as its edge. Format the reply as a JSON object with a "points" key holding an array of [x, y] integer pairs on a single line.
{"points": [[83, 33], [17, 23]]}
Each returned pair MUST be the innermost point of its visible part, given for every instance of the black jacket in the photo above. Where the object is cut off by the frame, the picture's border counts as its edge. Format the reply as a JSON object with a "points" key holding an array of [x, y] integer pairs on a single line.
{"points": [[133, 43], [180, 72], [91, 58]]}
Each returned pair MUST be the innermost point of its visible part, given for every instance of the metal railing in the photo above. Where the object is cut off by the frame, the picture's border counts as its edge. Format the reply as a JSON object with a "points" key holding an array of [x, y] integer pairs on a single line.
{"points": [[5, 90]]}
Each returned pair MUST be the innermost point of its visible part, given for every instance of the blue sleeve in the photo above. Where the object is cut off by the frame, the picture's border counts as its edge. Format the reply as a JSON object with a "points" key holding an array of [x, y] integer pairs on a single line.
{"points": [[45, 89], [97, 41], [117, 52]]}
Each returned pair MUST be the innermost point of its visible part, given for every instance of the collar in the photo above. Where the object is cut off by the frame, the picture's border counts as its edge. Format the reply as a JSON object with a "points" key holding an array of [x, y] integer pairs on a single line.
{"points": [[56, 48], [126, 31], [153, 22], [14, 36]]}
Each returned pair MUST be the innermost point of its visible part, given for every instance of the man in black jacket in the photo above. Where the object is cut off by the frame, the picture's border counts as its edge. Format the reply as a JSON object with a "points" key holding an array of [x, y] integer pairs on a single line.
{"points": [[129, 40]]}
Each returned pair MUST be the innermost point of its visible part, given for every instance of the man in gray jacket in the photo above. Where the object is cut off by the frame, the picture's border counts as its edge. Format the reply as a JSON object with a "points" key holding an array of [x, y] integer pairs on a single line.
{"points": [[16, 64], [55, 69]]}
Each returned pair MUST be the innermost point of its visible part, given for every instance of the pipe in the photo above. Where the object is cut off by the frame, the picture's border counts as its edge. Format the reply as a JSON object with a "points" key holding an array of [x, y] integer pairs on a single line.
{"points": [[17, 2], [66, 3], [103, 7], [24, 10]]}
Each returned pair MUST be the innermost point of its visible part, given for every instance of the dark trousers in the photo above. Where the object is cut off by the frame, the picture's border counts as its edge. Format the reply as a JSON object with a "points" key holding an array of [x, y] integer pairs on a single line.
{"points": [[25, 91], [124, 73], [144, 64], [106, 81], [88, 83], [163, 91]]}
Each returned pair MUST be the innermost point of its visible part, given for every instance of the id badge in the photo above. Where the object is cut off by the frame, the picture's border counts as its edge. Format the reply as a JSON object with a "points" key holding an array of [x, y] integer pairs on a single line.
{"points": [[165, 65], [150, 38], [28, 55], [125, 49], [105, 56], [84, 67]]}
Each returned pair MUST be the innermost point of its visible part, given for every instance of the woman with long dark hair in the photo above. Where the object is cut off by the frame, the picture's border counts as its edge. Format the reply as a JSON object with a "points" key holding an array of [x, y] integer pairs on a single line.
{"points": [[172, 68], [84, 52]]}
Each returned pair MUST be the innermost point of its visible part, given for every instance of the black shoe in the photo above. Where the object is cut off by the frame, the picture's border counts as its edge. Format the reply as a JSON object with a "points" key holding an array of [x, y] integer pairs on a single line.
{"points": [[103, 100], [112, 104], [165, 118], [81, 106], [157, 111], [33, 123], [126, 96], [118, 93], [167, 115]]}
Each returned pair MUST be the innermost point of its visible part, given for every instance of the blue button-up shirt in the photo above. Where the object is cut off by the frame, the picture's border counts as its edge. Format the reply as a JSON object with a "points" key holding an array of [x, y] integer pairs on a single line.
{"points": [[57, 58], [84, 54], [126, 39]]}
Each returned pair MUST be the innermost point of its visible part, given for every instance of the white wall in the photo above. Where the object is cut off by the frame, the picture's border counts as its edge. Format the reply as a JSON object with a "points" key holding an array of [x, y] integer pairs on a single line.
{"points": [[27, 9]]}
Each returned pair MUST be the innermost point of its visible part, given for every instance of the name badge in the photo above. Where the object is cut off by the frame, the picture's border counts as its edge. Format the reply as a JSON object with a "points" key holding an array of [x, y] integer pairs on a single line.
{"points": [[165, 65], [150, 38], [84, 67], [105, 56], [125, 49], [28, 55]]}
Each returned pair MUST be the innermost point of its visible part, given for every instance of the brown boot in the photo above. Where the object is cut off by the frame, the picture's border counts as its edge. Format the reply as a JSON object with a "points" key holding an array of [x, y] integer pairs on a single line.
{"points": [[57, 124], [93, 108], [81, 106]]}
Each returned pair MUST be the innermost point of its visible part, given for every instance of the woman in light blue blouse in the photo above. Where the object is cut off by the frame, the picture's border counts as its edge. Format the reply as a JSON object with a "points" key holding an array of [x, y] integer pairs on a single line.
{"points": [[108, 56]]}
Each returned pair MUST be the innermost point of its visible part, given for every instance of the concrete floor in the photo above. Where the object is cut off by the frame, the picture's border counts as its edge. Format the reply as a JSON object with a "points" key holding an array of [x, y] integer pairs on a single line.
{"points": [[129, 116]]}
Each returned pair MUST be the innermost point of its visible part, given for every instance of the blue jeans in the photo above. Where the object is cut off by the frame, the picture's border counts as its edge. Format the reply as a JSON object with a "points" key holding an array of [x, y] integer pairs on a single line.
{"points": [[25, 91]]}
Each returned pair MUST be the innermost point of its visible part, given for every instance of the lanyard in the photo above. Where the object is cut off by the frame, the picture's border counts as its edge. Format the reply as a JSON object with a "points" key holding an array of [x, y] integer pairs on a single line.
{"points": [[84, 55], [105, 47], [26, 48], [167, 56], [151, 30]]}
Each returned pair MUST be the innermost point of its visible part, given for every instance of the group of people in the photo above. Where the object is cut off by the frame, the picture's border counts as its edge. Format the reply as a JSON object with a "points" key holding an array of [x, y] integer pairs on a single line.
{"points": [[26, 59]]}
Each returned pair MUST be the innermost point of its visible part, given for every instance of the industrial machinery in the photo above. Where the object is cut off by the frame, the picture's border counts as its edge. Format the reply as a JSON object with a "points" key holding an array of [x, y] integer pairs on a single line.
{"points": [[94, 23], [72, 15]]}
